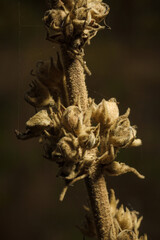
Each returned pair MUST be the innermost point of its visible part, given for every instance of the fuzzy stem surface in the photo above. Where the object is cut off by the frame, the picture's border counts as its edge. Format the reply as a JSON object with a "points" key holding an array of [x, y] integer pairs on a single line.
{"points": [[98, 194], [76, 91]]}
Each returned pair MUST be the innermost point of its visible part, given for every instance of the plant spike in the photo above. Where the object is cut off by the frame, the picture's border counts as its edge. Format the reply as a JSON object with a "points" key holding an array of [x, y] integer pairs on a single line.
{"points": [[83, 138]]}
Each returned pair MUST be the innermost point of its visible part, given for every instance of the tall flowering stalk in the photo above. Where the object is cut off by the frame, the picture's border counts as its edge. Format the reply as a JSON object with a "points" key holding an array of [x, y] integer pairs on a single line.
{"points": [[82, 137]]}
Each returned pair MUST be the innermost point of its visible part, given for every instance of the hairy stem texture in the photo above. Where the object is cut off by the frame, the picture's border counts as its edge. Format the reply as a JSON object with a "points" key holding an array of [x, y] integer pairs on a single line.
{"points": [[76, 91], [98, 195]]}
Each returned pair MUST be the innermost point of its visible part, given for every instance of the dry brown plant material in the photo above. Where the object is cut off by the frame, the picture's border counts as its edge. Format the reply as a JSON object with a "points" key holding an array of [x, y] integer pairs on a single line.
{"points": [[126, 222], [83, 138]]}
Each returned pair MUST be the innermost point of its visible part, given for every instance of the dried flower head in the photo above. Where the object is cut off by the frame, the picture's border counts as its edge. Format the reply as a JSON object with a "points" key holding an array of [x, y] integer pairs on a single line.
{"points": [[75, 22], [71, 138]]}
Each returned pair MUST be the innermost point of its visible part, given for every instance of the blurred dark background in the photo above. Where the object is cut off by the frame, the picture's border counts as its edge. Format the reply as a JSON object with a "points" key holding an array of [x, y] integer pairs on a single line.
{"points": [[125, 63]]}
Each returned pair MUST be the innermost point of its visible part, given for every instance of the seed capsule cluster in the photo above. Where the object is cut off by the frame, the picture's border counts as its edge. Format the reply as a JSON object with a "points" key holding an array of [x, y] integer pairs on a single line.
{"points": [[126, 222], [75, 132], [75, 22], [74, 139]]}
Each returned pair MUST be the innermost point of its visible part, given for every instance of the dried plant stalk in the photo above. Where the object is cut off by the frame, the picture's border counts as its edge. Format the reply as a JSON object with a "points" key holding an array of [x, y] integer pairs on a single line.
{"points": [[98, 195], [76, 91], [83, 138], [95, 182]]}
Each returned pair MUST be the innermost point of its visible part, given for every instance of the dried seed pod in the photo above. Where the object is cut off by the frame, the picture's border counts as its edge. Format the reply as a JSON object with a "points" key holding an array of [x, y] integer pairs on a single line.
{"points": [[71, 118], [106, 112], [98, 10], [87, 140], [39, 120], [67, 149], [124, 218], [121, 134], [127, 235], [89, 137], [54, 18]]}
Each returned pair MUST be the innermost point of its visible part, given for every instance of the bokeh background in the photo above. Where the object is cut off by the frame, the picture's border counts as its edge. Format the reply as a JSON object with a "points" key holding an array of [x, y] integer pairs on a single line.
{"points": [[125, 63]]}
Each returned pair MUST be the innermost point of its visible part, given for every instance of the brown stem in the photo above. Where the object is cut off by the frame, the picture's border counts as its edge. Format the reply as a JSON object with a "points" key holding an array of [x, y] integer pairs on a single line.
{"points": [[98, 194], [76, 91]]}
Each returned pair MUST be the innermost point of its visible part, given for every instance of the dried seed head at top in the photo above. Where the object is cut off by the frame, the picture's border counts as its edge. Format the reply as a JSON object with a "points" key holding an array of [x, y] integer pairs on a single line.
{"points": [[75, 22]]}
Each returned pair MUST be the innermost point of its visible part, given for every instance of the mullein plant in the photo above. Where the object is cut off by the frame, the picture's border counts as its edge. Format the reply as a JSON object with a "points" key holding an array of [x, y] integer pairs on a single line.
{"points": [[82, 137]]}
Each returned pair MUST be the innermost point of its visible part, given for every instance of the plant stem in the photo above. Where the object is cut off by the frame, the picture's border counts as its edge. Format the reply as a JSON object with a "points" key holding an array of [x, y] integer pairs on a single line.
{"points": [[76, 91], [98, 194]]}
